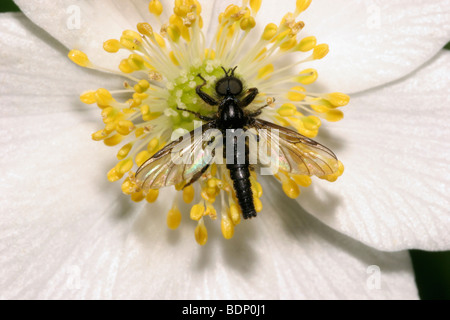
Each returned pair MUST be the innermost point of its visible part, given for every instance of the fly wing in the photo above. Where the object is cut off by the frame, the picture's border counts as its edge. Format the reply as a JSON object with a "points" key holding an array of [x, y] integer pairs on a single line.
{"points": [[295, 153], [181, 160]]}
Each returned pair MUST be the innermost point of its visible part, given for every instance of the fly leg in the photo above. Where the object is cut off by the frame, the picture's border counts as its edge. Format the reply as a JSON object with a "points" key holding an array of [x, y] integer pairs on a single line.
{"points": [[205, 97], [257, 112], [251, 95], [198, 115]]}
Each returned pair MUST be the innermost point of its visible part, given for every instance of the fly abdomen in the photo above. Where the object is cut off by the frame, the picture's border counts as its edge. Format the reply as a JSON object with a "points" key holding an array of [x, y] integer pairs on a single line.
{"points": [[240, 174]]}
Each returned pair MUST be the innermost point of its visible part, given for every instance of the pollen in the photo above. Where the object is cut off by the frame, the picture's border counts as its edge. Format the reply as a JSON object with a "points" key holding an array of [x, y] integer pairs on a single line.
{"points": [[155, 7], [188, 194], [320, 51], [174, 218], [160, 63], [307, 44], [227, 227], [290, 188], [201, 234], [307, 76], [80, 58]]}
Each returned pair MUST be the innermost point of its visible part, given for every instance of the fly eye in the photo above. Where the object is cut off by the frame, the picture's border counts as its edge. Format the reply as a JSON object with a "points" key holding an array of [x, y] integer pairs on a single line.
{"points": [[222, 87], [235, 86]]}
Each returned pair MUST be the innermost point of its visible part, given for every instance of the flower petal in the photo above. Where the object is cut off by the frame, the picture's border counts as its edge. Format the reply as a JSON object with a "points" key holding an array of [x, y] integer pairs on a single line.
{"points": [[372, 43], [66, 233], [395, 148], [282, 254], [37, 67], [77, 250], [85, 25]]}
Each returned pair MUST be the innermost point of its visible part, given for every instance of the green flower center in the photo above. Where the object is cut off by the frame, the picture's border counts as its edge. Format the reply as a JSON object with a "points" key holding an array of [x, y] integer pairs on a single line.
{"points": [[183, 93]]}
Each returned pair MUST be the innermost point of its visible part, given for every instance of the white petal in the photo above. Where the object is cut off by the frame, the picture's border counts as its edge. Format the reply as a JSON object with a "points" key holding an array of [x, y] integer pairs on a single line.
{"points": [[71, 252], [371, 43], [67, 233], [394, 143], [85, 25], [36, 66], [282, 254]]}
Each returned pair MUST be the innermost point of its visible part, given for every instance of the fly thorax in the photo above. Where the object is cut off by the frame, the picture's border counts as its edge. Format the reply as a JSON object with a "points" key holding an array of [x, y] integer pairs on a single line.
{"points": [[232, 116]]}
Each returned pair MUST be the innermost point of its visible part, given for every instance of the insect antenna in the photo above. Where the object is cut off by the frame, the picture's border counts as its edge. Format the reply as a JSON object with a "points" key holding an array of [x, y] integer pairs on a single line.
{"points": [[226, 72]]}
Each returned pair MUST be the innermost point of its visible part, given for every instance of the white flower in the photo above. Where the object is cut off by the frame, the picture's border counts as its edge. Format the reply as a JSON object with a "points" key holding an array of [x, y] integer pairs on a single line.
{"points": [[67, 234]]}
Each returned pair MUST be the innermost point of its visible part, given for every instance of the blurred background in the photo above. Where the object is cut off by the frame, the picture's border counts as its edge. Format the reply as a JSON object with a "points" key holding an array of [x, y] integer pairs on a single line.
{"points": [[432, 269]]}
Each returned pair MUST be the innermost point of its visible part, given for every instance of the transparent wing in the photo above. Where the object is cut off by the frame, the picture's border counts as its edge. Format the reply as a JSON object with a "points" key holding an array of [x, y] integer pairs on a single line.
{"points": [[183, 160], [293, 152]]}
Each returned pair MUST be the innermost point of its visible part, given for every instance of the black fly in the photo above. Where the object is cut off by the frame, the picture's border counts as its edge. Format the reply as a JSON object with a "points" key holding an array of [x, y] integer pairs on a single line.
{"points": [[296, 154]]}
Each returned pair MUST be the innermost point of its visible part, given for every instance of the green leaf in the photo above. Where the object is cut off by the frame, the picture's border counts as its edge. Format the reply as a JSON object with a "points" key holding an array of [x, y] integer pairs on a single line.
{"points": [[432, 270], [8, 6]]}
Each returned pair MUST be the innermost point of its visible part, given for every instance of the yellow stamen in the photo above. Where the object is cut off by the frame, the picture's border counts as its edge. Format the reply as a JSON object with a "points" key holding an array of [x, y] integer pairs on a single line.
{"points": [[296, 94], [174, 218], [99, 135], [333, 177], [142, 86], [231, 10], [155, 7], [255, 5], [307, 44], [210, 211], [80, 58], [197, 211], [338, 99], [152, 196], [130, 39], [266, 72], [201, 234], [320, 51], [290, 188], [124, 166], [113, 175], [142, 157], [124, 151], [114, 140], [161, 72], [159, 40], [235, 214], [258, 204], [334, 115], [112, 46], [288, 109], [125, 127], [301, 6], [269, 32], [138, 196], [301, 180], [247, 23], [173, 58], [145, 29], [307, 76], [174, 33], [125, 67], [227, 227], [88, 97], [153, 145], [288, 45], [188, 194], [103, 97], [128, 187]]}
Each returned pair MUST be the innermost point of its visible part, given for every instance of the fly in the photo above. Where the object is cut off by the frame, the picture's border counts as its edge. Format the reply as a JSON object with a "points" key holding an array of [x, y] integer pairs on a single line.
{"points": [[296, 154]]}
